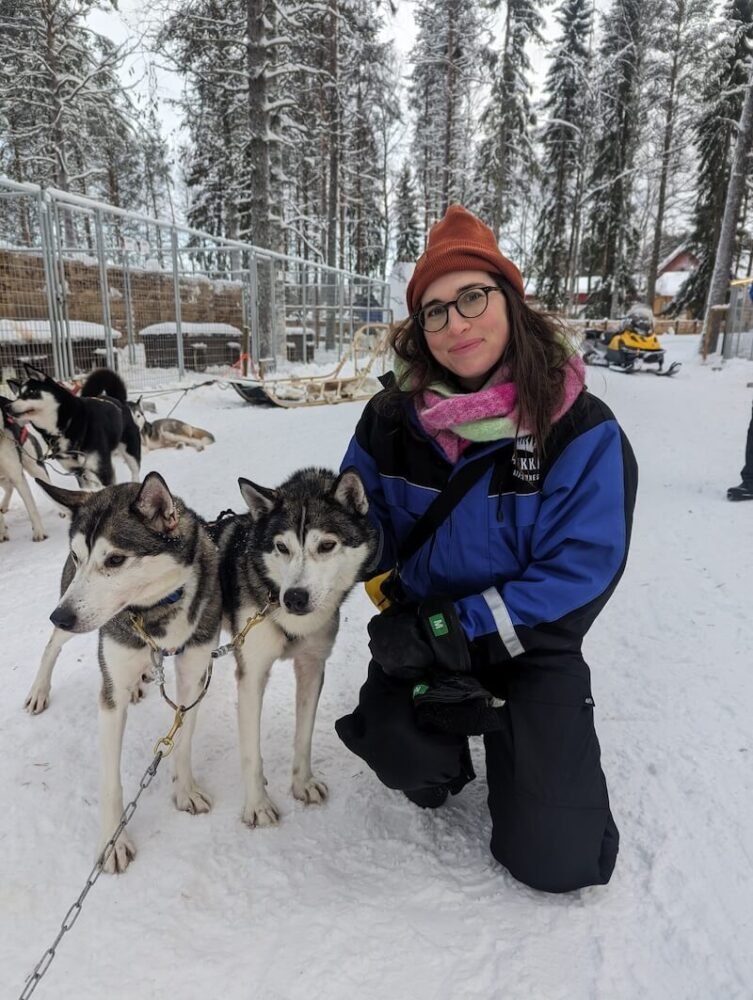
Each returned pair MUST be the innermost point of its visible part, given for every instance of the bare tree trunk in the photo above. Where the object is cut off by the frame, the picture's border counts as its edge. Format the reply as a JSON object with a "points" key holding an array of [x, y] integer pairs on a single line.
{"points": [[725, 248], [333, 195], [669, 127], [257, 162]]}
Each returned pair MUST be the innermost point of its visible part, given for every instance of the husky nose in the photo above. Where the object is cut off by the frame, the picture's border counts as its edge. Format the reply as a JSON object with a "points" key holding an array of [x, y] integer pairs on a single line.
{"points": [[296, 600], [63, 618]]}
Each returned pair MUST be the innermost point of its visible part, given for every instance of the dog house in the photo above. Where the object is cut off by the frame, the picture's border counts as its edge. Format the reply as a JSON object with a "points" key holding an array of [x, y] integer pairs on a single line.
{"points": [[204, 344]]}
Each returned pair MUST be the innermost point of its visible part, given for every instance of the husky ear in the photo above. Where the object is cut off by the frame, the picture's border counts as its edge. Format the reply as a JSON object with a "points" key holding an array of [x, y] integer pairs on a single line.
{"points": [[350, 493], [35, 373], [14, 385], [67, 498], [259, 499], [155, 502]]}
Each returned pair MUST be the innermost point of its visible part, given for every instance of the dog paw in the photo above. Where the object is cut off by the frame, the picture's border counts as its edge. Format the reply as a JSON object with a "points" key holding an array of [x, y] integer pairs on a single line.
{"points": [[120, 857], [261, 812], [193, 800], [37, 700], [4, 536], [38, 536], [311, 792]]}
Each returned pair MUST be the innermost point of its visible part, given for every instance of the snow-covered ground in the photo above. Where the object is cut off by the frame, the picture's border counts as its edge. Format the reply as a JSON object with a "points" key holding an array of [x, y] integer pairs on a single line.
{"points": [[368, 897]]}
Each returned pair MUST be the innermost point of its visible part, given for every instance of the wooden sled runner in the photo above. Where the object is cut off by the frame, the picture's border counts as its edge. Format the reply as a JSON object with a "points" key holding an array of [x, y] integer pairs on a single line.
{"points": [[370, 344]]}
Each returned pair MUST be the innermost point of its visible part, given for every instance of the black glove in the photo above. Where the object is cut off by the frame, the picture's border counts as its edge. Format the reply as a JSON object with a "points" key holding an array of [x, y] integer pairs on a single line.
{"points": [[456, 703], [413, 643]]}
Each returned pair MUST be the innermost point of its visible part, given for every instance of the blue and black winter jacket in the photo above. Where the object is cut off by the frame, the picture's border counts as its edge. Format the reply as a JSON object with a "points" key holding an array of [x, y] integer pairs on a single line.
{"points": [[530, 554]]}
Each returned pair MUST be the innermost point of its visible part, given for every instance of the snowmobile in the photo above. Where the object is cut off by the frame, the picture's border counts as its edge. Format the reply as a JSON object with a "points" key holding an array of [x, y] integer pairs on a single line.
{"points": [[633, 347]]}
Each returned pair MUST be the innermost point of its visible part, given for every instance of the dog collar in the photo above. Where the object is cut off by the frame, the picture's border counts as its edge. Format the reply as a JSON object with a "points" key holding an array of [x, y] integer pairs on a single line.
{"points": [[170, 599]]}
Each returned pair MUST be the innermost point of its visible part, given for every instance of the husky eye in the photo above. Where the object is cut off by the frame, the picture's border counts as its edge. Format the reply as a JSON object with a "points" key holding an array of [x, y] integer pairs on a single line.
{"points": [[115, 560], [282, 548], [326, 547]]}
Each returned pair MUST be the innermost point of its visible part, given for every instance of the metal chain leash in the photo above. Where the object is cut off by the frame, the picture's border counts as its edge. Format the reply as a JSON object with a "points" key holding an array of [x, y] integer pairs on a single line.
{"points": [[157, 656], [73, 913]]}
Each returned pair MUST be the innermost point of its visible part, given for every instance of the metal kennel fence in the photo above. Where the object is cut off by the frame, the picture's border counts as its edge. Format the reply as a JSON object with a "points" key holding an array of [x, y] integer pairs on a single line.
{"points": [[85, 284]]}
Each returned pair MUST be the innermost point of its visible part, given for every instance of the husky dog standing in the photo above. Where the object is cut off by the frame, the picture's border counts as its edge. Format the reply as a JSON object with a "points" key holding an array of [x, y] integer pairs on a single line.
{"points": [[135, 548], [82, 432], [168, 432], [300, 549], [19, 453]]}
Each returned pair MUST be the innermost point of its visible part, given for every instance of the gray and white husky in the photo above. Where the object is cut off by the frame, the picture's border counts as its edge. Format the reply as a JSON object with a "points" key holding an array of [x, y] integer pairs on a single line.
{"points": [[137, 548], [301, 548], [167, 432], [19, 453]]}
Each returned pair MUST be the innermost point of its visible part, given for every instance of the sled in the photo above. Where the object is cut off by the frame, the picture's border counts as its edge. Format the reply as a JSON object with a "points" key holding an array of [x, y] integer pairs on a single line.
{"points": [[370, 344]]}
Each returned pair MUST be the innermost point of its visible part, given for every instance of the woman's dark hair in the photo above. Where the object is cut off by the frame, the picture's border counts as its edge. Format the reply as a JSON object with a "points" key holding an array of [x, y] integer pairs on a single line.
{"points": [[536, 355]]}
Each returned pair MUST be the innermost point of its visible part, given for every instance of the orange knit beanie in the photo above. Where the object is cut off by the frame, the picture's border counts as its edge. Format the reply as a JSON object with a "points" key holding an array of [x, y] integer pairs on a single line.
{"points": [[459, 242]]}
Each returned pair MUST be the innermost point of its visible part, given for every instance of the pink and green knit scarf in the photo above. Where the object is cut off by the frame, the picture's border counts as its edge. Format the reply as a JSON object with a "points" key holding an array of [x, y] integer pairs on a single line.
{"points": [[456, 419]]}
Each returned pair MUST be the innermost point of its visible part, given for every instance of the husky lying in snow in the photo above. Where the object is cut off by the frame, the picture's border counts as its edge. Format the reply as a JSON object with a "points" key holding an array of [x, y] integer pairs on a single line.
{"points": [[82, 433], [303, 546], [168, 432], [19, 453], [136, 548]]}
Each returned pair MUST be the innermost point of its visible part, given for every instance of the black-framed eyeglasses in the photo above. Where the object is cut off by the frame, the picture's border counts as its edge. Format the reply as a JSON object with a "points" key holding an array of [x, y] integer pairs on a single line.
{"points": [[469, 304]]}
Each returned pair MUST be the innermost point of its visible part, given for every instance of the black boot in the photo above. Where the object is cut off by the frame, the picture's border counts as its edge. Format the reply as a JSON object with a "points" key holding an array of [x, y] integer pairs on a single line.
{"points": [[428, 798], [742, 492], [436, 795]]}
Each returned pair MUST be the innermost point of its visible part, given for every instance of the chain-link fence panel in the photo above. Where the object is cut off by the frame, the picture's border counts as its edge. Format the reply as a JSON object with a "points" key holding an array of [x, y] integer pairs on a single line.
{"points": [[85, 285]]}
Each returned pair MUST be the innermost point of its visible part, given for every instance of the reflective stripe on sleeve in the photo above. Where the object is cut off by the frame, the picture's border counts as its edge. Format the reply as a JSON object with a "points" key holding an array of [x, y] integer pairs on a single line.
{"points": [[502, 620]]}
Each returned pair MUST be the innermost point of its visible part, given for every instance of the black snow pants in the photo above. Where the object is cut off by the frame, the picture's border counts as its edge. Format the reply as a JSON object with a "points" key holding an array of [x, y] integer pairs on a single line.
{"points": [[551, 823]]}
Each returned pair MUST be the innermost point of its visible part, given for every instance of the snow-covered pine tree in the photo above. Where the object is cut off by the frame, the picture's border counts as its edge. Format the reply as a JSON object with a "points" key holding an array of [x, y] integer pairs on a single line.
{"points": [[723, 94], [618, 131], [675, 68], [367, 91], [60, 93], [564, 140], [506, 164], [408, 242], [446, 60]]}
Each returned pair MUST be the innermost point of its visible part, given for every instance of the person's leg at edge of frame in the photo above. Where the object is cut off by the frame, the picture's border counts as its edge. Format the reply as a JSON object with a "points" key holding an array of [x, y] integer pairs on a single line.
{"points": [[745, 490], [552, 827]]}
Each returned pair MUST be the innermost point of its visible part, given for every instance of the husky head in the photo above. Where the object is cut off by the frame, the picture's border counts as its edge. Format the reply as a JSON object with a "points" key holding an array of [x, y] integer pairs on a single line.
{"points": [[38, 400], [130, 546], [137, 412], [314, 536]]}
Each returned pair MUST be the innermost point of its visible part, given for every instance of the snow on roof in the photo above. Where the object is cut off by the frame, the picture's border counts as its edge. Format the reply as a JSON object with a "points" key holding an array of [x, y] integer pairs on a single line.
{"points": [[37, 331], [670, 283], [202, 329], [670, 257]]}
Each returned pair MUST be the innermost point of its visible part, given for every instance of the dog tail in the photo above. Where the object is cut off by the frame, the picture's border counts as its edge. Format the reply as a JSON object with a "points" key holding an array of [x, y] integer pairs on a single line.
{"points": [[197, 434], [105, 382]]}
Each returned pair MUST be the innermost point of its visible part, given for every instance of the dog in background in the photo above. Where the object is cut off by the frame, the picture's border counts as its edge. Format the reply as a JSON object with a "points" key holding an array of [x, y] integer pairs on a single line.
{"points": [[84, 432], [19, 454], [136, 548], [168, 432], [300, 549]]}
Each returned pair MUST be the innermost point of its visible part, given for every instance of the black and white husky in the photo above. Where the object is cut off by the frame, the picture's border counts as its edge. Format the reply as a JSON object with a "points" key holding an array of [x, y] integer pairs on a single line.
{"points": [[82, 432], [301, 548], [135, 548]]}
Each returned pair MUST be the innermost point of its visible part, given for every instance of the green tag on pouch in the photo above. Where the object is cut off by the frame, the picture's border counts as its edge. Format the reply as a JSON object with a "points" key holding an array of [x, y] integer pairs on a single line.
{"points": [[438, 625], [420, 689]]}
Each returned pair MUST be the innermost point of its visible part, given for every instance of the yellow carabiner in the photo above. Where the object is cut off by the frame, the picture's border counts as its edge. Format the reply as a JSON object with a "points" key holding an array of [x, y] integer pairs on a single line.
{"points": [[168, 741]]}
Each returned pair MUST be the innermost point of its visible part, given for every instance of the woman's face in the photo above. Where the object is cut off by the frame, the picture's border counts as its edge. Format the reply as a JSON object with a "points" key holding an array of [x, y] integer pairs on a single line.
{"points": [[469, 348]]}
